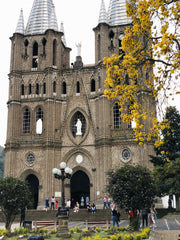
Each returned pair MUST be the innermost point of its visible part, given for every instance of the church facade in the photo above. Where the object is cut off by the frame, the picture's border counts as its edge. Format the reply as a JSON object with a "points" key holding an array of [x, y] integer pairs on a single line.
{"points": [[57, 111]]}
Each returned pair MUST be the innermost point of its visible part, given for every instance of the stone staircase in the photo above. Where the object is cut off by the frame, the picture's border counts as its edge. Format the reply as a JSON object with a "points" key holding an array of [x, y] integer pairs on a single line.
{"points": [[42, 215]]}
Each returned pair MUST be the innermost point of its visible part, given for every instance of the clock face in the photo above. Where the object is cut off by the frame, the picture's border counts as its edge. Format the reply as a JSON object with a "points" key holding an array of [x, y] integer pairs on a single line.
{"points": [[79, 159], [126, 154], [30, 158]]}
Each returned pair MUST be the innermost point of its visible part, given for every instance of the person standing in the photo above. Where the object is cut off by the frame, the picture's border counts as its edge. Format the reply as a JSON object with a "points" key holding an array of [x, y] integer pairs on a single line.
{"points": [[105, 202], [53, 200], [144, 216], [23, 210], [109, 202], [47, 204], [115, 216]]}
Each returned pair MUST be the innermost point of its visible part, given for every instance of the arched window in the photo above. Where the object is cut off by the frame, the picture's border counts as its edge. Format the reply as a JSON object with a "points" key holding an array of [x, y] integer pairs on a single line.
{"points": [[54, 52], [54, 87], [37, 88], [117, 116], [64, 88], [26, 45], [30, 89], [44, 46], [39, 121], [93, 85], [35, 55], [76, 116], [22, 90], [26, 121], [44, 88], [77, 87], [111, 36], [99, 47]]}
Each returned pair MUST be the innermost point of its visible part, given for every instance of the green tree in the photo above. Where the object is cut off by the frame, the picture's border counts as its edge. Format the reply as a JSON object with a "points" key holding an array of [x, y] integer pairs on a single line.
{"points": [[167, 178], [14, 194], [131, 187], [166, 160], [169, 150]]}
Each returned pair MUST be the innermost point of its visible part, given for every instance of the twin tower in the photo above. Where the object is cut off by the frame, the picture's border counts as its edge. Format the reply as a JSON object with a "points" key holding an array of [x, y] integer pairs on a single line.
{"points": [[48, 95]]}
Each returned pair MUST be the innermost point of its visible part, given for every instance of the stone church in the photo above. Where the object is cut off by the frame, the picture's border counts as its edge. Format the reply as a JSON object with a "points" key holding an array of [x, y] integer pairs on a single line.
{"points": [[48, 95]]}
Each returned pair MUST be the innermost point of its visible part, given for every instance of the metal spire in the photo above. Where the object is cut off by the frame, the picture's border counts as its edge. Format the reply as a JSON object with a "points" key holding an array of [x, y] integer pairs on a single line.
{"points": [[117, 13], [63, 37], [103, 13], [42, 17], [20, 24]]}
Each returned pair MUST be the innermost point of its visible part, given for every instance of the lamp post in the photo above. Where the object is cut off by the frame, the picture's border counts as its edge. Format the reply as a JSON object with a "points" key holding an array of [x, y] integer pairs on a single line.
{"points": [[62, 173]]}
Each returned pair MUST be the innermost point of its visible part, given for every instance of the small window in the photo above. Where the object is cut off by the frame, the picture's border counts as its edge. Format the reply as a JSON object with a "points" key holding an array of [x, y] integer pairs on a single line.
{"points": [[44, 88], [26, 121], [22, 90], [54, 52], [78, 87], [37, 88], [44, 45], [54, 87], [35, 55], [117, 116], [39, 121], [30, 89], [93, 85], [64, 88]]}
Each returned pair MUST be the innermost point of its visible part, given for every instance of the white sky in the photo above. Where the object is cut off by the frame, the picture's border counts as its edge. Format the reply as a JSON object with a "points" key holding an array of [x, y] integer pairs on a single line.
{"points": [[79, 18]]}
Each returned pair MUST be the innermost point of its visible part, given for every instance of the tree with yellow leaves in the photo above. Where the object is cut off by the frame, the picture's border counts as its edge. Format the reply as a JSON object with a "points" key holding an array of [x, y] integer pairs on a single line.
{"points": [[148, 66]]}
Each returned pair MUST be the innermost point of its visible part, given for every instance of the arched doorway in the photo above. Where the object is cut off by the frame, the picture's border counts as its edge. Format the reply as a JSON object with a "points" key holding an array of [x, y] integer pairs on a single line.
{"points": [[33, 184], [80, 187]]}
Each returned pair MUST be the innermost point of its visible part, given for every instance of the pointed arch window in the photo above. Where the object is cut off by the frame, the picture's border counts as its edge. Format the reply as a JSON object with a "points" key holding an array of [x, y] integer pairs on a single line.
{"points": [[116, 116], [35, 55], [44, 88], [22, 89], [44, 46], [93, 85], [54, 52], [37, 88], [77, 87], [26, 121], [99, 47], [26, 43], [111, 36], [30, 89], [64, 88], [39, 121]]}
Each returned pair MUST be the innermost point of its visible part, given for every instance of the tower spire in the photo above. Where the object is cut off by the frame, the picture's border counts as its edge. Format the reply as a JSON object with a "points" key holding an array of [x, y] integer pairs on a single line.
{"points": [[63, 37], [42, 17], [117, 13], [20, 24], [103, 13]]}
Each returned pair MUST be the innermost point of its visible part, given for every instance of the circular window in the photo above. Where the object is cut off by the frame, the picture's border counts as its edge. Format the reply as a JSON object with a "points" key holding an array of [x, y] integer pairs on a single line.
{"points": [[79, 159], [30, 158], [125, 154]]}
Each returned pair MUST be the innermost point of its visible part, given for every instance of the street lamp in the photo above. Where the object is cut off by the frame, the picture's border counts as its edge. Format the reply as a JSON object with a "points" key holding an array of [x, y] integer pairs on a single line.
{"points": [[62, 173]]}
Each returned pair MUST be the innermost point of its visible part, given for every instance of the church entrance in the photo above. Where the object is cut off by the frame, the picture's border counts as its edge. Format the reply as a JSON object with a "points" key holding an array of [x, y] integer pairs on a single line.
{"points": [[80, 188], [33, 184]]}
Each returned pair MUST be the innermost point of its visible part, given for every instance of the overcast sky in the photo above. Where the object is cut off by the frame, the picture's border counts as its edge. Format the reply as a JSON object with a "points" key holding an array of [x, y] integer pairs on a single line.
{"points": [[79, 18]]}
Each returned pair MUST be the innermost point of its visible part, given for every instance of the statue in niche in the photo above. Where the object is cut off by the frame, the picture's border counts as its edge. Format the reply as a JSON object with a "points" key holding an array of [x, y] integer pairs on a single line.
{"points": [[78, 45], [78, 127]]}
